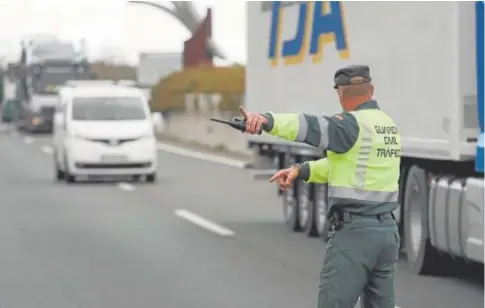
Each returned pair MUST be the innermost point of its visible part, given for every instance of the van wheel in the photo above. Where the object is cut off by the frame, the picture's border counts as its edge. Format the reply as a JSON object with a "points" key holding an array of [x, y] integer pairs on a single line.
{"points": [[151, 178], [60, 175], [70, 178], [422, 258]]}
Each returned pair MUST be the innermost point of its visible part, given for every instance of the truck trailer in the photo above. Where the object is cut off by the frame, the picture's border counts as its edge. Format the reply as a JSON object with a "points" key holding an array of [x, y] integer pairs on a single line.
{"points": [[426, 61]]}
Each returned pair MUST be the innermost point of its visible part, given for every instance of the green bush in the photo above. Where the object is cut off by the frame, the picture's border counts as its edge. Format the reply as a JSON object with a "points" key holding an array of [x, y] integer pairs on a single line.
{"points": [[168, 94]]}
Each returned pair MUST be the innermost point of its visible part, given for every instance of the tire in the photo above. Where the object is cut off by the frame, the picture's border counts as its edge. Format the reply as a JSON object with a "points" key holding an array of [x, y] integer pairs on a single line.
{"points": [[151, 178], [422, 258], [60, 175], [291, 208], [399, 212], [306, 209], [289, 199], [70, 178], [320, 211]]}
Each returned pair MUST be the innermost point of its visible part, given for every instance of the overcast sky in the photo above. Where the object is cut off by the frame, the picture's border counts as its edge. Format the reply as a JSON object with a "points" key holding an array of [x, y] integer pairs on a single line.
{"points": [[115, 27]]}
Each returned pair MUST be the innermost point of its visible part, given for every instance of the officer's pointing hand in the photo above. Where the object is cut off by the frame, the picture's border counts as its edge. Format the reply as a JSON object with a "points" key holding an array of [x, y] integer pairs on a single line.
{"points": [[286, 177], [254, 121]]}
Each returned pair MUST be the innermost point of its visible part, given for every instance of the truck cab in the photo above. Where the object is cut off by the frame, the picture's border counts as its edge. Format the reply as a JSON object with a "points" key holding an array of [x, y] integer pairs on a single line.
{"points": [[37, 113], [48, 63]]}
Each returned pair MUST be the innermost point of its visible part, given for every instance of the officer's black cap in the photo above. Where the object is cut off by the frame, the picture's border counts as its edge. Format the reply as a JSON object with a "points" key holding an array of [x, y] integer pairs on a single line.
{"points": [[353, 74]]}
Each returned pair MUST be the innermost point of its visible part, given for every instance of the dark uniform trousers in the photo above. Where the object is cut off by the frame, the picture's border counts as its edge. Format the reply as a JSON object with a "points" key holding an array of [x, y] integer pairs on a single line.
{"points": [[360, 260]]}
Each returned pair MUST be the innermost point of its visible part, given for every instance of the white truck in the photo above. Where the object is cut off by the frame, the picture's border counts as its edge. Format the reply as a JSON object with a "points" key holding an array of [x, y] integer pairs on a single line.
{"points": [[426, 61]]}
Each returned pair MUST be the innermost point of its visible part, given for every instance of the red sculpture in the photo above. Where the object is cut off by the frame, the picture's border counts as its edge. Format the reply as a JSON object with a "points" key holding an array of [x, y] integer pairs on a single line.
{"points": [[195, 48]]}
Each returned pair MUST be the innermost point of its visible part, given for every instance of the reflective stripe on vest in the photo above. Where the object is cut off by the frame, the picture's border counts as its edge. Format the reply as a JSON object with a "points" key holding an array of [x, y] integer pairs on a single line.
{"points": [[369, 172]]}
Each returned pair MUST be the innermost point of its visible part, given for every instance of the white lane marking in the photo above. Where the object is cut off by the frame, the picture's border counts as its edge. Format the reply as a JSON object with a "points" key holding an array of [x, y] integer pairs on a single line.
{"points": [[358, 304], [475, 241], [28, 140], [126, 186], [47, 149], [202, 156], [203, 223], [4, 128]]}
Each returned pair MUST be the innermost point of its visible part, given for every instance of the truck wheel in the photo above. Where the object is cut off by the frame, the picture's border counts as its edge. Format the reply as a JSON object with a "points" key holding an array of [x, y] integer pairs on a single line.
{"points": [[399, 212], [291, 208], [320, 211], [422, 257], [307, 209]]}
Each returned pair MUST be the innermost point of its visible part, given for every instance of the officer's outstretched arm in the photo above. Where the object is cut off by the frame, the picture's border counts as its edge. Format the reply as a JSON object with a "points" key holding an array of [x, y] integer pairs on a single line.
{"points": [[337, 133], [315, 171]]}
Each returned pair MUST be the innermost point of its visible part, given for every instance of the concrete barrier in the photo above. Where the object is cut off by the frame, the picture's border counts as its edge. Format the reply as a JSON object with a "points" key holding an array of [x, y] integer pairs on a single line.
{"points": [[197, 128]]}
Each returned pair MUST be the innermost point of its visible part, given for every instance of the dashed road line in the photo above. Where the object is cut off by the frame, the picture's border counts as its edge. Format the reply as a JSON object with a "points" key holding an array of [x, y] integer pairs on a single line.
{"points": [[475, 241], [359, 304], [201, 156], [47, 149], [204, 223], [28, 140], [126, 186]]}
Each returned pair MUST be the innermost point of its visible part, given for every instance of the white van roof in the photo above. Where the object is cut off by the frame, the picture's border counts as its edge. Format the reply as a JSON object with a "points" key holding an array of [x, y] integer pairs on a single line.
{"points": [[99, 82], [101, 91], [78, 83]]}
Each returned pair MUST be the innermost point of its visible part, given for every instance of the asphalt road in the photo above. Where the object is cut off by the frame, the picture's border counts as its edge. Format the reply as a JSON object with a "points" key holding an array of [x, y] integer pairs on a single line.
{"points": [[133, 245]]}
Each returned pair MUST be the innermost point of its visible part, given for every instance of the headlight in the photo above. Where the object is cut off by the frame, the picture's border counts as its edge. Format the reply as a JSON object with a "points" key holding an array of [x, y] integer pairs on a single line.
{"points": [[36, 120]]}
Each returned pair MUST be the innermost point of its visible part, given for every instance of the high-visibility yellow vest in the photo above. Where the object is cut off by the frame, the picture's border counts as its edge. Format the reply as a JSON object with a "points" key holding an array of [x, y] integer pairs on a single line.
{"points": [[366, 177]]}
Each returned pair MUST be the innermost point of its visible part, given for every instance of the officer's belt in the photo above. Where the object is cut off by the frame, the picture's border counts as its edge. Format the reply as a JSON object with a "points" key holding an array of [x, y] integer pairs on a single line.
{"points": [[348, 216]]}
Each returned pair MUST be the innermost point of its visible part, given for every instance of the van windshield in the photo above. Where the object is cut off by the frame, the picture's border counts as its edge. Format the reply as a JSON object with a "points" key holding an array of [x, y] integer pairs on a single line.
{"points": [[108, 109]]}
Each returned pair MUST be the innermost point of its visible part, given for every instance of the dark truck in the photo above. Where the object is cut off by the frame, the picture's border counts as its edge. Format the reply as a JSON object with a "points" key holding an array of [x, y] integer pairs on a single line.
{"points": [[37, 113], [47, 64]]}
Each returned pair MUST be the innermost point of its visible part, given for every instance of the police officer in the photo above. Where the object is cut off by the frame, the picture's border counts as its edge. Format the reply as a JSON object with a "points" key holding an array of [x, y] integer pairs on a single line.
{"points": [[362, 172]]}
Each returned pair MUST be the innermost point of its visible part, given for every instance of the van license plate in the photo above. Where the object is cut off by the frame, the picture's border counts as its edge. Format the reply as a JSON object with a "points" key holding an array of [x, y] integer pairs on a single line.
{"points": [[113, 158]]}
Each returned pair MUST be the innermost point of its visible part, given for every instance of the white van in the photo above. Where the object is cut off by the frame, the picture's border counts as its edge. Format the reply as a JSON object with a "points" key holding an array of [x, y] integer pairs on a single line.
{"points": [[104, 131]]}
